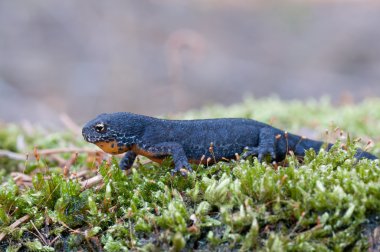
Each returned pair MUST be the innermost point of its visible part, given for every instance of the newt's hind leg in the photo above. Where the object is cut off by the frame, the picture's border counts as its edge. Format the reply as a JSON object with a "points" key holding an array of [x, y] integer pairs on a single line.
{"points": [[127, 161], [266, 146]]}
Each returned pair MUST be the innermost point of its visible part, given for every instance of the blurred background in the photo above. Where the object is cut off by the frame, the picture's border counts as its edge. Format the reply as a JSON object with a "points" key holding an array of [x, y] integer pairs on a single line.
{"points": [[161, 57]]}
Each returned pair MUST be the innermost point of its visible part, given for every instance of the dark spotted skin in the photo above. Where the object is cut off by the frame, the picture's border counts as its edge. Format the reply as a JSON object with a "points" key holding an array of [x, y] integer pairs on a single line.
{"points": [[195, 141]]}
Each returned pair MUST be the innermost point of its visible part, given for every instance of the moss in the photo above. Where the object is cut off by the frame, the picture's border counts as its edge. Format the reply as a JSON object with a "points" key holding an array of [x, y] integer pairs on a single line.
{"points": [[329, 201]]}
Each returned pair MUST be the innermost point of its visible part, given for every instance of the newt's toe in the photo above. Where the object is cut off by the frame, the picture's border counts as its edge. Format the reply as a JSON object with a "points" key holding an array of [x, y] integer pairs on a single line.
{"points": [[261, 157], [184, 169], [184, 172], [250, 151]]}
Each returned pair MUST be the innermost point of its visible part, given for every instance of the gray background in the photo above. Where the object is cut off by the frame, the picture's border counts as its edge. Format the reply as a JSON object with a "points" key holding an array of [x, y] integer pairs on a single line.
{"points": [[163, 57]]}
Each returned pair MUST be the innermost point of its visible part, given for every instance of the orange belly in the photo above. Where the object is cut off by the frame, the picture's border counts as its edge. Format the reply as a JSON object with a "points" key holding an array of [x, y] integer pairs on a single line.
{"points": [[147, 154], [111, 147]]}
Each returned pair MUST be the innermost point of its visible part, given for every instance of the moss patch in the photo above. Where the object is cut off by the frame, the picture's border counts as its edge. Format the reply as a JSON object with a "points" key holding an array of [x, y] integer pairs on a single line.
{"points": [[330, 201]]}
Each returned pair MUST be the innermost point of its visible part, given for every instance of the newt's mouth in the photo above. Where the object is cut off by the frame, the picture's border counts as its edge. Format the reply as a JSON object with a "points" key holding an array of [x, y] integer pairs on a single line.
{"points": [[112, 147], [88, 137]]}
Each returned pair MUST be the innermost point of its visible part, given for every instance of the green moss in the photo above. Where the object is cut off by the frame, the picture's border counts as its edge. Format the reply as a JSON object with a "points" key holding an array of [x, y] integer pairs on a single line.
{"points": [[329, 201]]}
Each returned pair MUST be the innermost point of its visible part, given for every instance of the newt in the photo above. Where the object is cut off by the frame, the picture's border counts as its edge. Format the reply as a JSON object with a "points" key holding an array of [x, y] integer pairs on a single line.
{"points": [[204, 141]]}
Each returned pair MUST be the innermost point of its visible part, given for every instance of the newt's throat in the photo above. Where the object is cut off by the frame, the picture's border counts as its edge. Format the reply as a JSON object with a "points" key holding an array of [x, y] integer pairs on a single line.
{"points": [[112, 147]]}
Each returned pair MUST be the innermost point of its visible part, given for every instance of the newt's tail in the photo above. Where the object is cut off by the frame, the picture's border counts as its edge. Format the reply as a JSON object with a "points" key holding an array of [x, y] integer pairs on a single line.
{"points": [[317, 145], [363, 154], [360, 154]]}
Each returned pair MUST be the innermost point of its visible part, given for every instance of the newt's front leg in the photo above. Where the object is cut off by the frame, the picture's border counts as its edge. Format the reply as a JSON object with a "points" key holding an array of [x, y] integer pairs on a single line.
{"points": [[162, 150], [127, 161]]}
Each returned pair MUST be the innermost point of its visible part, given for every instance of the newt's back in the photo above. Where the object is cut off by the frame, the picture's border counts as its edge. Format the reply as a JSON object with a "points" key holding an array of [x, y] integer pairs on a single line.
{"points": [[225, 136]]}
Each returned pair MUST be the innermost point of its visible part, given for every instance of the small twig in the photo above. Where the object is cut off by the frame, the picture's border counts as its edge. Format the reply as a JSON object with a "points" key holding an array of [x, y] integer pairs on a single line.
{"points": [[72, 160], [21, 176], [15, 225], [22, 157], [12, 155], [22, 179], [79, 174], [65, 150], [61, 161], [40, 235], [74, 231], [91, 182], [54, 240], [26, 184]]}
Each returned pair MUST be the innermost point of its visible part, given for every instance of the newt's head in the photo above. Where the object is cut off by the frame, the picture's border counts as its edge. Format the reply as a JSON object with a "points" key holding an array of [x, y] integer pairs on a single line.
{"points": [[114, 133]]}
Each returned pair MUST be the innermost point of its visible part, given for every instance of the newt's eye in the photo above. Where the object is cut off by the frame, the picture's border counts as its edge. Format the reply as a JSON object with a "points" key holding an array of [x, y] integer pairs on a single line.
{"points": [[100, 128]]}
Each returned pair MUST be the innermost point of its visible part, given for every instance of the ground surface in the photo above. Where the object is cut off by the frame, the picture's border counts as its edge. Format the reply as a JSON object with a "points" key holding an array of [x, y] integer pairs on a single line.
{"points": [[66, 196]]}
